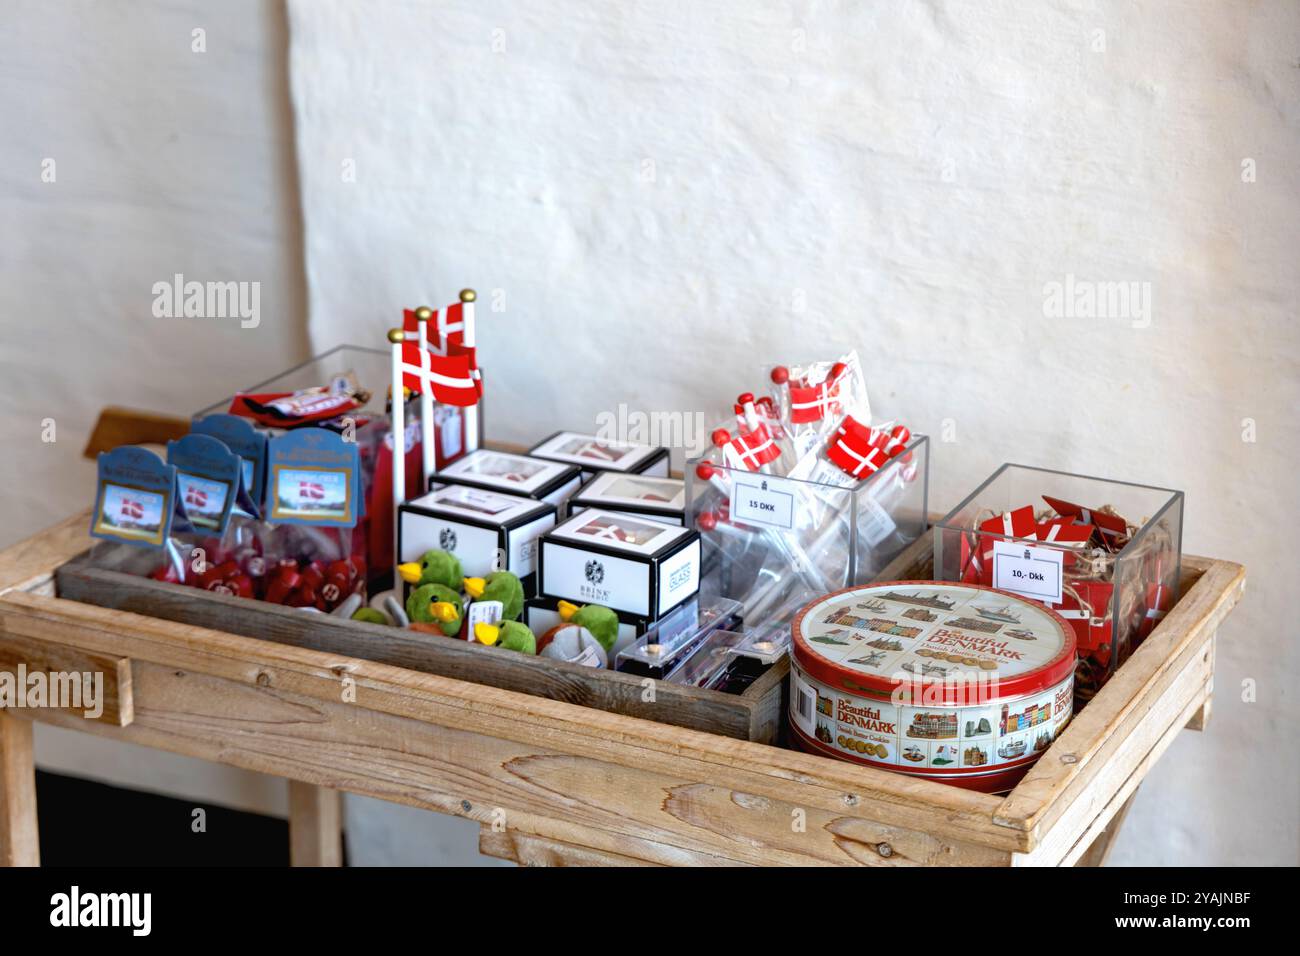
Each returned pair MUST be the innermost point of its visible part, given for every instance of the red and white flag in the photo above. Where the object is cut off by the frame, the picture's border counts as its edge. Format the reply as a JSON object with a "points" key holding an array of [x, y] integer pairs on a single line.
{"points": [[752, 450], [853, 450], [446, 328], [812, 403], [450, 377], [311, 489], [132, 508], [197, 497]]}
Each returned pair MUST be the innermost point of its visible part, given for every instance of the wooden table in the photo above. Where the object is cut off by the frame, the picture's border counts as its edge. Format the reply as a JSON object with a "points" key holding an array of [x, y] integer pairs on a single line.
{"points": [[554, 783]]}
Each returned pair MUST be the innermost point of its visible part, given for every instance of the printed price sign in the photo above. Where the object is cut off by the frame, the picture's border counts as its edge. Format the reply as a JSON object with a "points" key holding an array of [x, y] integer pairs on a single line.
{"points": [[762, 499], [1028, 571]]}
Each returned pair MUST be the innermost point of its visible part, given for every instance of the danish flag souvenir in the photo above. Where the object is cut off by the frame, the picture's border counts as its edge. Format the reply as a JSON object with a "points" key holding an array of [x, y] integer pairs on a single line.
{"points": [[750, 450], [314, 479], [1063, 531], [1089, 615], [136, 501], [448, 379], [239, 435], [1019, 523], [855, 450], [210, 480], [1112, 530], [1159, 598]]}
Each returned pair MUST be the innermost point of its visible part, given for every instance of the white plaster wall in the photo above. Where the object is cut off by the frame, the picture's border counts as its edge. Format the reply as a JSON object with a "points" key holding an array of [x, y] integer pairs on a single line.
{"points": [[166, 160], [656, 197]]}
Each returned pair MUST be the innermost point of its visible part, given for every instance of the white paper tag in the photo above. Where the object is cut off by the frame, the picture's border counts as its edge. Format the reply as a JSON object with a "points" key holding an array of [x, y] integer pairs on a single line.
{"points": [[874, 521], [484, 612], [1032, 572], [762, 499]]}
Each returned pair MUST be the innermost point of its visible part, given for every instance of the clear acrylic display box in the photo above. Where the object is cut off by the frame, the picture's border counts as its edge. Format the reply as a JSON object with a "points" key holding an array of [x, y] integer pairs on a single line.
{"points": [[372, 368], [774, 543], [1112, 595]]}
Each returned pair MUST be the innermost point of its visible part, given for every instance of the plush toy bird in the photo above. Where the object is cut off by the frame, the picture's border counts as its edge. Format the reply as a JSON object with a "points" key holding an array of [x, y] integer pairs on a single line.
{"points": [[437, 605], [512, 635], [572, 643], [434, 567], [600, 621], [500, 586]]}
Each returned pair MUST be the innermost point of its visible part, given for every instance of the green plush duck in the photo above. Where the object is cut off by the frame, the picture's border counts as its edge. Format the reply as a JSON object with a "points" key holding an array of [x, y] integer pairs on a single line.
{"points": [[434, 567], [435, 606], [512, 635], [600, 621], [500, 586]]}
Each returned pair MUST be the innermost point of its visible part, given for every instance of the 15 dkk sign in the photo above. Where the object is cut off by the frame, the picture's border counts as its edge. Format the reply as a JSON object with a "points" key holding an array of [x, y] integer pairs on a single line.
{"points": [[763, 500]]}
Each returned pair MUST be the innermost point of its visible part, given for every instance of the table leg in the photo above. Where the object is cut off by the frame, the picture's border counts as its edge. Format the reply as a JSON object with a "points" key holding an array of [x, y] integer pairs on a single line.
{"points": [[315, 825], [19, 843]]}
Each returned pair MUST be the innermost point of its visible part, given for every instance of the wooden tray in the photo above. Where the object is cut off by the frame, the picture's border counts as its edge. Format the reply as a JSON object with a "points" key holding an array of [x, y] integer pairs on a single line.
{"points": [[553, 782], [754, 715]]}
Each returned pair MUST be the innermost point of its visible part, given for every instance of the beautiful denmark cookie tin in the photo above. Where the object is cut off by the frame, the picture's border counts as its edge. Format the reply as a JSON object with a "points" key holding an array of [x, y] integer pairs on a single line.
{"points": [[959, 683]]}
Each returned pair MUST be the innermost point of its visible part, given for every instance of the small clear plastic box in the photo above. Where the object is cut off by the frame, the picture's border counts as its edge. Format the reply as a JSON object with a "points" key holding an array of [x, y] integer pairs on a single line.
{"points": [[668, 643]]}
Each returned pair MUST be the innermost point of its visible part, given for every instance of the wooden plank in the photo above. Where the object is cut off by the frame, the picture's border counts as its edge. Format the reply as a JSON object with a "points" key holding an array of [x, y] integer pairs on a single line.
{"points": [[528, 850], [93, 686], [573, 798], [132, 426], [19, 837], [729, 715], [30, 564], [1064, 845], [315, 825], [1201, 716], [1085, 810], [1088, 745], [1098, 853], [953, 815]]}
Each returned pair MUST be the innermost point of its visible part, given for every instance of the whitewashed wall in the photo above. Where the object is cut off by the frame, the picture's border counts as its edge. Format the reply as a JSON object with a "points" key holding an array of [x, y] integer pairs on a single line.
{"points": [[658, 197], [164, 160]]}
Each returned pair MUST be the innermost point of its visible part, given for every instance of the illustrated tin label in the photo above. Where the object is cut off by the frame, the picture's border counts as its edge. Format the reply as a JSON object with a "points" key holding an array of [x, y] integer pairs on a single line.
{"points": [[959, 682]]}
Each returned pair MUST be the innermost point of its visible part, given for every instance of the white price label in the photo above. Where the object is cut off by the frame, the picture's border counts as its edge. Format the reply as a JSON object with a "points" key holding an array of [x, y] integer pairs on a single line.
{"points": [[484, 612], [1032, 572], [875, 522], [761, 499]]}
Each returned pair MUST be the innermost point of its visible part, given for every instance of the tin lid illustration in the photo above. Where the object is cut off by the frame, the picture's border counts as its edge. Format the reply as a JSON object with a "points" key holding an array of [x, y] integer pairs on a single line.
{"points": [[953, 643]]}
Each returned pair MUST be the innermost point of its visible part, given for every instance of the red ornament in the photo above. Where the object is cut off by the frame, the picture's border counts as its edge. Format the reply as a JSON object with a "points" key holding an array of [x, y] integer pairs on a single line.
{"points": [[780, 375], [720, 436], [704, 470], [707, 520]]}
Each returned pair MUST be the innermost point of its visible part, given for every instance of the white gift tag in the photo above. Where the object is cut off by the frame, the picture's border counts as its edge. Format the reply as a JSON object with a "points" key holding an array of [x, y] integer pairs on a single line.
{"points": [[484, 612], [874, 521], [1032, 572], [762, 499]]}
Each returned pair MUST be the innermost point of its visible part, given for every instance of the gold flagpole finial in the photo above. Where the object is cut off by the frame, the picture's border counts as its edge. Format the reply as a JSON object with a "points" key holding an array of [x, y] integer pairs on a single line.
{"points": [[468, 295], [423, 314], [396, 335]]}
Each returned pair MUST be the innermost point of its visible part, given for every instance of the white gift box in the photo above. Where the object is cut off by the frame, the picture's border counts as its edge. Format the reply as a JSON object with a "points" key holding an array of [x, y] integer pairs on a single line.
{"points": [[625, 562], [521, 475], [594, 455], [479, 527], [663, 499]]}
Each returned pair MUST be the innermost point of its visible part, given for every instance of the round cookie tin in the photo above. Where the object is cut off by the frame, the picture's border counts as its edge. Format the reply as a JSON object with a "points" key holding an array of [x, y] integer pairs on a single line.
{"points": [[959, 683]]}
